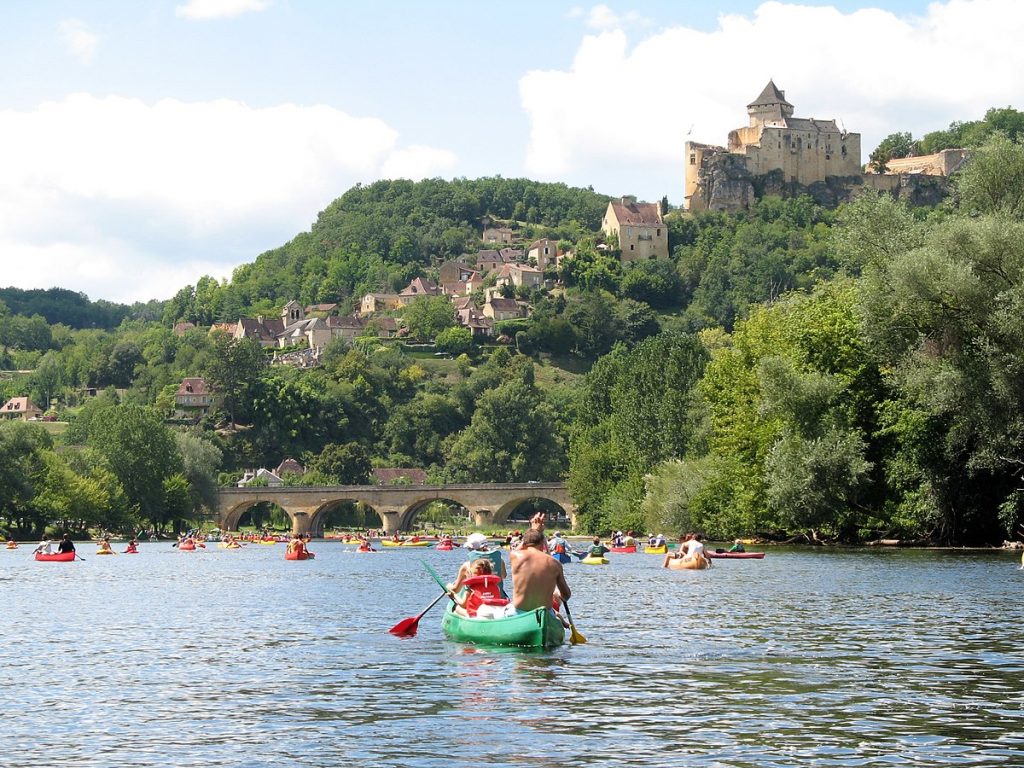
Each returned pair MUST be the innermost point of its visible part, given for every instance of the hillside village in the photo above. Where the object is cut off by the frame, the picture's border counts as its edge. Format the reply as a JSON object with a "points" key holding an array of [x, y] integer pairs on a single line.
{"points": [[777, 153]]}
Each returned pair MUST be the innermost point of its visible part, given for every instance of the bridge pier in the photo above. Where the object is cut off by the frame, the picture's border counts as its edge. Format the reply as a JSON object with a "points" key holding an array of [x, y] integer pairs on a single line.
{"points": [[392, 520]]}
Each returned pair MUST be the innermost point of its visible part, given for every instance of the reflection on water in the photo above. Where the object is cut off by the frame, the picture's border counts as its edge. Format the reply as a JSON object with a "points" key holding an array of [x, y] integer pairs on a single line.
{"points": [[238, 658]]}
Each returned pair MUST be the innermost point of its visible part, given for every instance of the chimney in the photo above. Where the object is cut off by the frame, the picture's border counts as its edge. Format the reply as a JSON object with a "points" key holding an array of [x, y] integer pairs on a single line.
{"points": [[629, 199]]}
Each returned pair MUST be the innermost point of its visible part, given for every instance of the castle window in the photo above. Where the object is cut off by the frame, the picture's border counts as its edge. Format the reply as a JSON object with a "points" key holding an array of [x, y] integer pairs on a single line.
{"points": [[659, 232], [631, 246], [693, 159]]}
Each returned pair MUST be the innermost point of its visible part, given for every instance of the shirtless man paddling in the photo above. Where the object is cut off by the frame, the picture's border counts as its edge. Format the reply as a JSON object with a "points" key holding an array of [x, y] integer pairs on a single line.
{"points": [[535, 574]]}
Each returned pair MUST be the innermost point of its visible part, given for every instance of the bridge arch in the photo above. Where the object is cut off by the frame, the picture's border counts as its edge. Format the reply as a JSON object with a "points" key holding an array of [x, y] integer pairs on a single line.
{"points": [[414, 509], [319, 516]]}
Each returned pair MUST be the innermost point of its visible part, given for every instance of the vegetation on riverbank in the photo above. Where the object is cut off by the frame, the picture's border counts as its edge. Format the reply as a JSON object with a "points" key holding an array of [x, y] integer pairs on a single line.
{"points": [[842, 375]]}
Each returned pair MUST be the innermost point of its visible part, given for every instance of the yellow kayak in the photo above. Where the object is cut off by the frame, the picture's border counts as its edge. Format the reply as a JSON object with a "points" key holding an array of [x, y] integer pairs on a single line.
{"points": [[105, 552], [594, 561], [662, 550], [389, 543], [689, 564]]}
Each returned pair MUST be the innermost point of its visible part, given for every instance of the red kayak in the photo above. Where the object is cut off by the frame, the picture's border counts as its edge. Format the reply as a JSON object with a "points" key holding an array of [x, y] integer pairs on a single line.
{"points": [[737, 555], [57, 557], [296, 555], [444, 547], [625, 550]]}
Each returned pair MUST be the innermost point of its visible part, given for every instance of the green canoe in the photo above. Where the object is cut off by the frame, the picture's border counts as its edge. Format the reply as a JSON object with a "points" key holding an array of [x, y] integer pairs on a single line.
{"points": [[536, 629]]}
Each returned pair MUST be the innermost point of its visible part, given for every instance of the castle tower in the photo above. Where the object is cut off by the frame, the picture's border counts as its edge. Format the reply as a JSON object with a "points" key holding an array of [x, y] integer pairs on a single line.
{"points": [[769, 106], [292, 313]]}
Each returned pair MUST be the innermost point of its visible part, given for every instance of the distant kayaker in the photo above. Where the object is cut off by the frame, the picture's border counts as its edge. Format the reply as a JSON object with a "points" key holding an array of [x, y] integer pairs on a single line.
{"points": [[691, 547], [45, 547], [597, 549], [558, 545], [105, 546], [66, 544], [737, 546]]}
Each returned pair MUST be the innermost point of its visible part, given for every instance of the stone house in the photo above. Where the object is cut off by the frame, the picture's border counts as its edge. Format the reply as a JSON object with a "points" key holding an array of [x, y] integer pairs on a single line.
{"points": [[289, 467], [519, 275], [248, 478], [488, 261], [417, 289], [498, 308], [379, 302], [453, 271], [194, 398], [494, 234], [20, 408], [512, 255], [472, 318], [542, 253], [637, 228], [399, 476]]}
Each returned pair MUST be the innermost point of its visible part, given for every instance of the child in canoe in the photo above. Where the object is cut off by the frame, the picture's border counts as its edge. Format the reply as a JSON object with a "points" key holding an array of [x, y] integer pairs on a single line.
{"points": [[482, 593]]}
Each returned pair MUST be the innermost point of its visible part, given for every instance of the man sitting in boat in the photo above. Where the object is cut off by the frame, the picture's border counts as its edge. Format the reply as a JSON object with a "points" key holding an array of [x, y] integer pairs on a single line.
{"points": [[66, 544], [558, 545], [691, 547], [535, 575], [105, 546], [597, 549], [737, 546], [482, 597]]}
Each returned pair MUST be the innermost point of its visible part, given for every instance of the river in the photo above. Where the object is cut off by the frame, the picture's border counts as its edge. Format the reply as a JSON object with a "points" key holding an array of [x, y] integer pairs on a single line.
{"points": [[239, 658]]}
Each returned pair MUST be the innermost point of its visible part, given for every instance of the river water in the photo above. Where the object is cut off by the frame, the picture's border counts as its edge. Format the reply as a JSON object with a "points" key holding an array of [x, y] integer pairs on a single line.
{"points": [[239, 658]]}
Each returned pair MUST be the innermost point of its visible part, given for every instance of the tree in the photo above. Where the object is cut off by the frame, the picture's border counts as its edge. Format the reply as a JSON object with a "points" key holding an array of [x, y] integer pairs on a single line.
{"points": [[233, 371], [455, 340], [345, 464], [893, 145], [993, 180], [141, 453], [511, 438], [426, 317]]}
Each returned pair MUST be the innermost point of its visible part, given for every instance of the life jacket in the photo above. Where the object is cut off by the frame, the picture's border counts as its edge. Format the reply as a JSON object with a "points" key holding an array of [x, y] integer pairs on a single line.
{"points": [[483, 590], [559, 549]]}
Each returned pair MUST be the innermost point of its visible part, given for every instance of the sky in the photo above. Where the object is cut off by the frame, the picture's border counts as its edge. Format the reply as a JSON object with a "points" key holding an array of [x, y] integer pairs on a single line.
{"points": [[143, 145]]}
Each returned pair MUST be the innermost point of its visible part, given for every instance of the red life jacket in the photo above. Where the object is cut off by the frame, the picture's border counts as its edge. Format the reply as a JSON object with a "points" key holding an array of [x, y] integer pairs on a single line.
{"points": [[483, 590]]}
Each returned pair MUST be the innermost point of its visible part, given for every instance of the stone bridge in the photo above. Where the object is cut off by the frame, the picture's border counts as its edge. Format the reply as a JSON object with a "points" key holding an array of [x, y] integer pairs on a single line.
{"points": [[489, 504]]}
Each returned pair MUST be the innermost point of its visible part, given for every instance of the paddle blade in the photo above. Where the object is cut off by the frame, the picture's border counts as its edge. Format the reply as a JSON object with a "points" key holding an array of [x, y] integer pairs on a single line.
{"points": [[575, 637], [406, 627]]}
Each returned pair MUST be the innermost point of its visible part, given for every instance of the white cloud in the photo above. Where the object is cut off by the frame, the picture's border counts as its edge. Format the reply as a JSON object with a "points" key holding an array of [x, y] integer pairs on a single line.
{"points": [[78, 40], [135, 200], [632, 105], [201, 10], [601, 17]]}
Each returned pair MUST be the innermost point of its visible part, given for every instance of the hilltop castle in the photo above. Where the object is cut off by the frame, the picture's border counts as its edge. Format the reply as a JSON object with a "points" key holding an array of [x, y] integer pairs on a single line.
{"points": [[785, 155]]}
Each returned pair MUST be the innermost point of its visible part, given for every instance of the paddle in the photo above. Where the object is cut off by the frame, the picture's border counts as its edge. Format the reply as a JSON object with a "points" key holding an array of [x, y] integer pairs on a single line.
{"points": [[574, 636], [408, 627]]}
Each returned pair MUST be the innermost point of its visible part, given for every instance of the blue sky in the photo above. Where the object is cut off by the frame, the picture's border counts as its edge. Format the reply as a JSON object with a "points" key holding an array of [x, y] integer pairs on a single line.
{"points": [[143, 145]]}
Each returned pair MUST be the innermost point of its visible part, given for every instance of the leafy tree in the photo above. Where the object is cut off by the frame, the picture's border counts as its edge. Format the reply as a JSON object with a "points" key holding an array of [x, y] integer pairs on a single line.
{"points": [[427, 317], [511, 438], [233, 371], [345, 464], [141, 453], [893, 145], [993, 180], [454, 341]]}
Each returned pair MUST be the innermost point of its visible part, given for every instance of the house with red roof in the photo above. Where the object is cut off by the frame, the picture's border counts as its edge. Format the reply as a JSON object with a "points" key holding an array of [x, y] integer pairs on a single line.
{"points": [[637, 228], [20, 408]]}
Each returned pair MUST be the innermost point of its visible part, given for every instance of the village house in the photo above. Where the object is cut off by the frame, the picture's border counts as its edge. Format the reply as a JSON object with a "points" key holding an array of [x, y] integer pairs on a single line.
{"points": [[320, 310], [454, 271], [637, 229], [399, 476], [417, 289], [518, 275], [512, 255], [472, 318], [379, 302], [20, 408], [180, 329], [251, 477], [543, 253], [498, 308], [488, 261], [194, 399], [289, 467], [494, 234]]}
